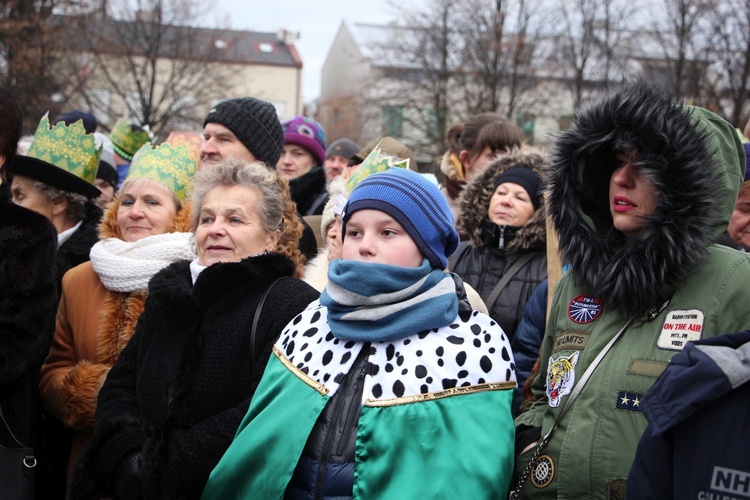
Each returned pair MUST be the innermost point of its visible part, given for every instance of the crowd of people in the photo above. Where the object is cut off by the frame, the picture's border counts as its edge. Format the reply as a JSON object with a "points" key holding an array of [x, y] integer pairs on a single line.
{"points": [[270, 315]]}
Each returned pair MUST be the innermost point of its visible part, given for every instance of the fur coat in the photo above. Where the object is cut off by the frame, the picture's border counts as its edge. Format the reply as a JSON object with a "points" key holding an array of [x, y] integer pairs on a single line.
{"points": [[483, 260], [27, 310], [309, 192], [182, 385], [93, 326]]}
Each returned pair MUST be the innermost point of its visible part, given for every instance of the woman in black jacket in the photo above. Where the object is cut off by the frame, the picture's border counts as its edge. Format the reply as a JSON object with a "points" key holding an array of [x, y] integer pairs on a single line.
{"points": [[175, 397], [501, 211], [28, 296]]}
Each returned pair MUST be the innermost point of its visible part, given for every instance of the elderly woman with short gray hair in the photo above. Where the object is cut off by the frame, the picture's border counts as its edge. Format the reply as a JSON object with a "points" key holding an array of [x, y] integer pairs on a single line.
{"points": [[172, 403]]}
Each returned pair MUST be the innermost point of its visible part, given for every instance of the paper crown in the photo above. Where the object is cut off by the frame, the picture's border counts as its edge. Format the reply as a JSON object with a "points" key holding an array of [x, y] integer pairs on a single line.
{"points": [[171, 165], [192, 140], [376, 161], [127, 139], [62, 156]]}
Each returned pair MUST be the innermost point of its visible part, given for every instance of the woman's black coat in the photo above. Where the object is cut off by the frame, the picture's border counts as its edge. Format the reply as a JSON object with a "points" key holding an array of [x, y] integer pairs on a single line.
{"points": [[183, 384], [483, 260], [28, 302]]}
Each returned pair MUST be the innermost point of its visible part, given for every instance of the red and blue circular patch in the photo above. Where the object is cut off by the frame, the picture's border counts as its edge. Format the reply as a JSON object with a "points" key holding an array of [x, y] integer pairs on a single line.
{"points": [[585, 309]]}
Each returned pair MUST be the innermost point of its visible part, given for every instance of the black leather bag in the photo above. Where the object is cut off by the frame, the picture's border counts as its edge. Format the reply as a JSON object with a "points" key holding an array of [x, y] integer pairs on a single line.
{"points": [[17, 469]]}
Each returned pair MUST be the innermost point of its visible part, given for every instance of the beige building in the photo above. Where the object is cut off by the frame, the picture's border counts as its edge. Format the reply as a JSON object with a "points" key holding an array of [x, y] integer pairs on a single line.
{"points": [[170, 76]]}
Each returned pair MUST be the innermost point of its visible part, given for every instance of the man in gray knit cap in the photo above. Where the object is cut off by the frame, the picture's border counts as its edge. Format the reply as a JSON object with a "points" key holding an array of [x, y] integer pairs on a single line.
{"points": [[248, 129], [245, 128]]}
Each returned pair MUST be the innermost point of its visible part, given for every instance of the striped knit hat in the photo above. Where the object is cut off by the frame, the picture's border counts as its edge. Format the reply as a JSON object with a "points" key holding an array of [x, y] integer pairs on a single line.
{"points": [[415, 203]]}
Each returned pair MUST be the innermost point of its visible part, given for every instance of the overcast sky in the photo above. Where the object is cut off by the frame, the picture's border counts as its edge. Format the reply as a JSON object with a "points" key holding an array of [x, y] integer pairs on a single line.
{"points": [[317, 22]]}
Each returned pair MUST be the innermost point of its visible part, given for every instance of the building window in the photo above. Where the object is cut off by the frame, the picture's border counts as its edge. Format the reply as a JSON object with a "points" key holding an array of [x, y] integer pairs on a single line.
{"points": [[526, 122], [393, 121], [432, 123]]}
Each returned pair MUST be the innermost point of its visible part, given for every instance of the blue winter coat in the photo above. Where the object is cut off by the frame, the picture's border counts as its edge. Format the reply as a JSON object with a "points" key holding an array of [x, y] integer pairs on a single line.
{"points": [[529, 335], [697, 441]]}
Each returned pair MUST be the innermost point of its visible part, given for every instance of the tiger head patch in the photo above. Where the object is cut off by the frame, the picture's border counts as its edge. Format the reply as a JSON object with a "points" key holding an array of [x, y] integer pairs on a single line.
{"points": [[561, 377]]}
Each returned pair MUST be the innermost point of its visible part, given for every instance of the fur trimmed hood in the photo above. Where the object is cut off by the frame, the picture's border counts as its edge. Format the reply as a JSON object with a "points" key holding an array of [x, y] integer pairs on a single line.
{"points": [[474, 201], [694, 160]]}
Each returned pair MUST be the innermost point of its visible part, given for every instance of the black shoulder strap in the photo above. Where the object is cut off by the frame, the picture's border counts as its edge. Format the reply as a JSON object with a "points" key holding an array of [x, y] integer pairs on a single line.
{"points": [[514, 268], [454, 259], [256, 319]]}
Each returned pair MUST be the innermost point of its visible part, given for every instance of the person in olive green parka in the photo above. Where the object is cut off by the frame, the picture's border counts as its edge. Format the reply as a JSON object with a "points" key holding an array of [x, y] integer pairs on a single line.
{"points": [[640, 188]]}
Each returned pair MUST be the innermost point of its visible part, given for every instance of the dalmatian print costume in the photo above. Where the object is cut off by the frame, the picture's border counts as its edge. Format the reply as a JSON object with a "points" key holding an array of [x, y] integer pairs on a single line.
{"points": [[433, 405], [471, 354]]}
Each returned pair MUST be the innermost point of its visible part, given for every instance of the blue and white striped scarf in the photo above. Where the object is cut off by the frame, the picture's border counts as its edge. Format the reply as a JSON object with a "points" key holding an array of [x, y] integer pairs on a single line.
{"points": [[379, 302]]}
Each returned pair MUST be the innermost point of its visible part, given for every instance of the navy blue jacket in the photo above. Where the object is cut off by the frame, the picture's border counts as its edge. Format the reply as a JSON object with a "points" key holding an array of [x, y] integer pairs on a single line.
{"points": [[529, 335], [697, 441]]}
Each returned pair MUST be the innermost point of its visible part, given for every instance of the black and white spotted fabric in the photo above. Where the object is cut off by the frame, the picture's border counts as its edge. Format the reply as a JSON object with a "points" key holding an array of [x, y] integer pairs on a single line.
{"points": [[462, 354]]}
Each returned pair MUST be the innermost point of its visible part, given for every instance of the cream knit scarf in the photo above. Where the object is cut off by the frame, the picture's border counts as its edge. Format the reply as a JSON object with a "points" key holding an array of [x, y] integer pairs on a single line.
{"points": [[128, 266]]}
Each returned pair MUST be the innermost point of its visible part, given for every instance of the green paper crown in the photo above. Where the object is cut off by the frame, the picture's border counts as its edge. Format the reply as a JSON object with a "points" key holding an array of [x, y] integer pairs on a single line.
{"points": [[377, 161], [68, 147], [127, 139], [172, 166]]}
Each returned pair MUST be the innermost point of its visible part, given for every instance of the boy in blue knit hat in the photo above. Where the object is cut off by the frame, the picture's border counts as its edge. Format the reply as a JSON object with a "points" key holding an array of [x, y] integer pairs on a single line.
{"points": [[381, 388]]}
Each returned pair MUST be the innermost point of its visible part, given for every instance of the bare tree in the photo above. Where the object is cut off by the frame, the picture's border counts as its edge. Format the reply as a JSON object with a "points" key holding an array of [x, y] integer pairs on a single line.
{"points": [[588, 42], [431, 49], [682, 36], [457, 58], [159, 66], [29, 66], [498, 47], [730, 52]]}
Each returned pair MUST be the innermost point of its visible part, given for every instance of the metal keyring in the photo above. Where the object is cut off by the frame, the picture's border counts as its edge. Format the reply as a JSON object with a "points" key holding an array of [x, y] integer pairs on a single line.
{"points": [[27, 465]]}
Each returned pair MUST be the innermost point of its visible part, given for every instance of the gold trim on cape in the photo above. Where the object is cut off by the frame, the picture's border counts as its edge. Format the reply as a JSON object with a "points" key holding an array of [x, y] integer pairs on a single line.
{"points": [[299, 373], [431, 396]]}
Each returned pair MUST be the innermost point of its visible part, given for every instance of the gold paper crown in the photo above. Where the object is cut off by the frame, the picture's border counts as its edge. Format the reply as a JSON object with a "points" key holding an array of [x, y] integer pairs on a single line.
{"points": [[67, 147], [170, 165], [376, 161]]}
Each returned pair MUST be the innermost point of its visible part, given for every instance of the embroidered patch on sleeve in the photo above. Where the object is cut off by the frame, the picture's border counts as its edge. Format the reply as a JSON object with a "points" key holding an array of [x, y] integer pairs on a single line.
{"points": [[681, 326], [647, 367], [561, 377], [585, 309], [616, 489], [630, 401], [543, 472], [570, 340]]}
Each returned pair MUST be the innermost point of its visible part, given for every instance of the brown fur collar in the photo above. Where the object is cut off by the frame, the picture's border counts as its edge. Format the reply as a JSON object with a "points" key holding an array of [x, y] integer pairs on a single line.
{"points": [[119, 315], [474, 201]]}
